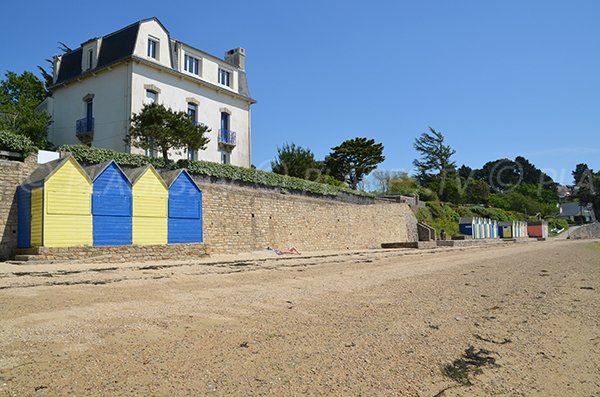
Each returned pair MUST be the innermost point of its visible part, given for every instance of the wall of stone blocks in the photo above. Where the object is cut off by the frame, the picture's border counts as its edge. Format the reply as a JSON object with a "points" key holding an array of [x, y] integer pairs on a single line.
{"points": [[242, 219], [239, 219], [12, 174]]}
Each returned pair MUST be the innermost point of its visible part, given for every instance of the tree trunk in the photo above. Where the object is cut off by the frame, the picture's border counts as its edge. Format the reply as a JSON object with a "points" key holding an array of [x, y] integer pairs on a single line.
{"points": [[165, 153]]}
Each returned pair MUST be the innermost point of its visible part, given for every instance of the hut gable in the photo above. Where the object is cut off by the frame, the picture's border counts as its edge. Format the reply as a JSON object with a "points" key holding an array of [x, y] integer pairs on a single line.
{"points": [[185, 208], [150, 211], [111, 205]]}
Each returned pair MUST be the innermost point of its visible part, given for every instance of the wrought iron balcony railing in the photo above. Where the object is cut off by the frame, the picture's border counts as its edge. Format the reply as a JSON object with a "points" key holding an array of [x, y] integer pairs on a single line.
{"points": [[227, 137], [84, 126]]}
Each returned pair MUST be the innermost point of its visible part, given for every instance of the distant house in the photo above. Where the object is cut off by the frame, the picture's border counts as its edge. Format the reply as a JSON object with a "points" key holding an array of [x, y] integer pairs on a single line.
{"points": [[99, 85], [575, 212]]}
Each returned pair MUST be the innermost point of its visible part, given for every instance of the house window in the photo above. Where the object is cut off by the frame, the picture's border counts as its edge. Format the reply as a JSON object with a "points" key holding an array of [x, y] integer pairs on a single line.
{"points": [[190, 64], [152, 48], [224, 121], [225, 158], [193, 112], [193, 115], [151, 97], [225, 77], [90, 58]]}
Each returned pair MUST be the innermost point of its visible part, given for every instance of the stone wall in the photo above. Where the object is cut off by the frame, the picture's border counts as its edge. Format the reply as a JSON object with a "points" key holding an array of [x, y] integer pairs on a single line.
{"points": [[118, 254], [239, 219], [242, 219], [12, 174], [586, 231]]}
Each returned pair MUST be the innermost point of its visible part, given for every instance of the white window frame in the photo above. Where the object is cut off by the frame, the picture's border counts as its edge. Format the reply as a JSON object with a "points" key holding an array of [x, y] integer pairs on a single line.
{"points": [[230, 77], [198, 61], [156, 42], [147, 99]]}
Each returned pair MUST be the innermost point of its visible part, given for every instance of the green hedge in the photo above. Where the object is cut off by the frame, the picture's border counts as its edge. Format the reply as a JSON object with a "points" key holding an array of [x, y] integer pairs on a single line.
{"points": [[91, 155], [13, 142]]}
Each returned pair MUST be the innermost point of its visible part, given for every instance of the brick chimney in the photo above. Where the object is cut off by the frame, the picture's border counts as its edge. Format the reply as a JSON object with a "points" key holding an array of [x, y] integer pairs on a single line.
{"points": [[236, 57]]}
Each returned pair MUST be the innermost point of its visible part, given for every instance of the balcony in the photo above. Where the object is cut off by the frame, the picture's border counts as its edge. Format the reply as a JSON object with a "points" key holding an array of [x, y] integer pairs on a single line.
{"points": [[84, 130], [227, 139]]}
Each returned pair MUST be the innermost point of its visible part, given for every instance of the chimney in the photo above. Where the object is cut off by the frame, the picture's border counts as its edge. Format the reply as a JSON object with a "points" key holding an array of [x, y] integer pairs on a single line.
{"points": [[236, 57]]}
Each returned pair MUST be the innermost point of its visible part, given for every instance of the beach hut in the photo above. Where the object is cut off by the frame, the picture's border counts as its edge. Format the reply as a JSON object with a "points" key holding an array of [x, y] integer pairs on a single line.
{"points": [[149, 198], [537, 229], [111, 204], [185, 207], [505, 229], [54, 206]]}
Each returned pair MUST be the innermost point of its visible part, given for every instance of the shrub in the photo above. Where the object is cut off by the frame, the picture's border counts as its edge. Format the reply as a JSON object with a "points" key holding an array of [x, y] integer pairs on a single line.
{"points": [[91, 155], [13, 142]]}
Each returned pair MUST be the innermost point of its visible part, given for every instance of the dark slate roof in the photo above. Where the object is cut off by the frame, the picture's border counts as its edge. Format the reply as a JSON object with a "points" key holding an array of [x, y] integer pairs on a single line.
{"points": [[574, 209], [135, 173], [170, 176], [70, 66], [95, 170], [505, 223], [118, 45], [43, 171]]}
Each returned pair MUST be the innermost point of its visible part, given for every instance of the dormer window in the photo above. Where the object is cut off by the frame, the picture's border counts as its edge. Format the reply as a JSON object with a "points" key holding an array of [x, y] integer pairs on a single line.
{"points": [[225, 77], [191, 64], [152, 48]]}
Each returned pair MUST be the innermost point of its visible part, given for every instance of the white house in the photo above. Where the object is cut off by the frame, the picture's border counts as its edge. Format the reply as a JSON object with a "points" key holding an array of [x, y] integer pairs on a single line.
{"points": [[98, 86]]}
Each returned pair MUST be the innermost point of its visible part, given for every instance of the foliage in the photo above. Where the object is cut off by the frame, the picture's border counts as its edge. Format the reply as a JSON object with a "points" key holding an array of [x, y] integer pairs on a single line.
{"points": [[402, 183], [394, 182], [478, 192], [158, 128], [13, 142], [91, 155], [19, 97], [435, 156], [296, 161], [354, 159], [446, 216]]}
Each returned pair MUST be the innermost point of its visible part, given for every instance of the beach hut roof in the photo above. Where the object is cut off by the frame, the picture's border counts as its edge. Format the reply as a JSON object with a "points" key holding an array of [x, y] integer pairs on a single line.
{"points": [[46, 170], [135, 173], [171, 176], [465, 219], [95, 170], [505, 223]]}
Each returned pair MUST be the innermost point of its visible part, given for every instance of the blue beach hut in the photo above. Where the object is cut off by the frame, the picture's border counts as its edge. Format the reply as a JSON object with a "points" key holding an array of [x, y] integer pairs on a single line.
{"points": [[185, 207], [111, 204]]}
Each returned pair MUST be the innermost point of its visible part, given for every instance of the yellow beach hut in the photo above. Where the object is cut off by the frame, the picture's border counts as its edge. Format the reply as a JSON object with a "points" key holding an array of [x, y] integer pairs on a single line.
{"points": [[57, 196], [150, 206]]}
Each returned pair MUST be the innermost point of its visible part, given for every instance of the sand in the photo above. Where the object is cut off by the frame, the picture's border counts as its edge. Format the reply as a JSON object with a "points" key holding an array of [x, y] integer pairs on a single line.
{"points": [[371, 323]]}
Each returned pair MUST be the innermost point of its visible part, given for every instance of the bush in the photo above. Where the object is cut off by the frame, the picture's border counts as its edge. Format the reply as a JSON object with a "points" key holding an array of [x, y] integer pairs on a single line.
{"points": [[13, 142], [91, 155]]}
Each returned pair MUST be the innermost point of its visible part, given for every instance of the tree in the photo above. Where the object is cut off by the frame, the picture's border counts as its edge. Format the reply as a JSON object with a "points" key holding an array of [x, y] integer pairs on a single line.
{"points": [[478, 192], [20, 95], [465, 172], [158, 128], [579, 172], [354, 159], [402, 183], [295, 161], [435, 161]]}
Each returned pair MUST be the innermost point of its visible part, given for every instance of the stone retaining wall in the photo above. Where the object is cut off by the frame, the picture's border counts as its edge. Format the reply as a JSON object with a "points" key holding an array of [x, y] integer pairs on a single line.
{"points": [[12, 174], [117, 254], [586, 231], [239, 219]]}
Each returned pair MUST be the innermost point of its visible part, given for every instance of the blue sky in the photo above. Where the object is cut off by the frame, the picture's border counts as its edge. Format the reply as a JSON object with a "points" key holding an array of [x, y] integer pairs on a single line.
{"points": [[498, 78]]}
